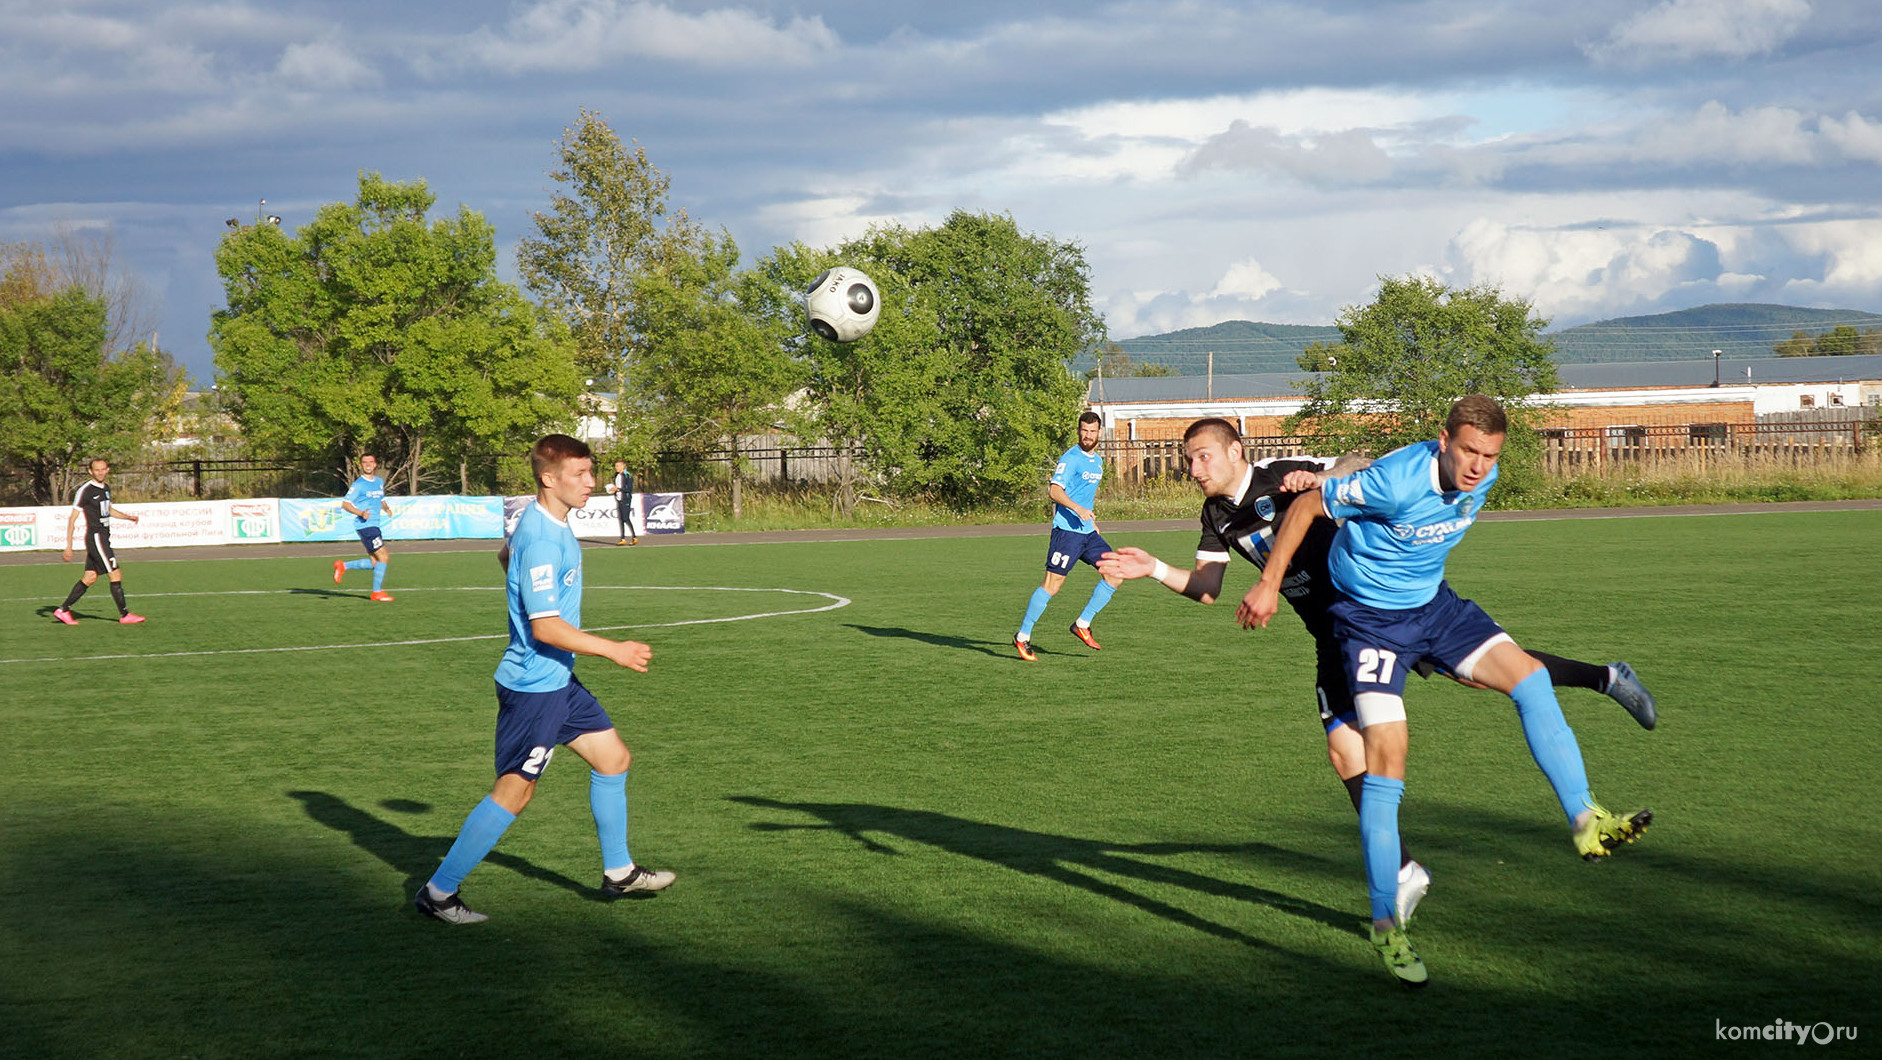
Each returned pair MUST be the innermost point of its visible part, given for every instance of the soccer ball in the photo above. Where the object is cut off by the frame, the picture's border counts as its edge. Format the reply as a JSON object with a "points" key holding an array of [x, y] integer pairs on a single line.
{"points": [[842, 304]]}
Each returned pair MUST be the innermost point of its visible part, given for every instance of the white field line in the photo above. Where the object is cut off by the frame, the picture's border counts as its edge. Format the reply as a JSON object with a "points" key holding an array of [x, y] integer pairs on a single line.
{"points": [[835, 603]]}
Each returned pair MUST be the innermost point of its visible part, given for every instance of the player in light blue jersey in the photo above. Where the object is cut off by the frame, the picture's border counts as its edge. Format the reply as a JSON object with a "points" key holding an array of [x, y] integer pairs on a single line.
{"points": [[539, 701], [1073, 489], [365, 500], [1403, 515]]}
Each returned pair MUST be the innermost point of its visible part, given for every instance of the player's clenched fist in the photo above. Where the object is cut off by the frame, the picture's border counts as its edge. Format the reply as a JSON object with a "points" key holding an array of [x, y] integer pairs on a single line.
{"points": [[632, 654]]}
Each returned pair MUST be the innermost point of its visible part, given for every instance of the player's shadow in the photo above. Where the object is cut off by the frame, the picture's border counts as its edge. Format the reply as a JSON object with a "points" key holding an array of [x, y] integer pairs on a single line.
{"points": [[46, 613], [341, 593], [1061, 858], [415, 856], [997, 649]]}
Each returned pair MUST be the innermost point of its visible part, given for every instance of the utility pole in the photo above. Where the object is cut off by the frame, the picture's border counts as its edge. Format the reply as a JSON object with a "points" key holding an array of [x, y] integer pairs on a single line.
{"points": [[1211, 384], [1715, 366]]}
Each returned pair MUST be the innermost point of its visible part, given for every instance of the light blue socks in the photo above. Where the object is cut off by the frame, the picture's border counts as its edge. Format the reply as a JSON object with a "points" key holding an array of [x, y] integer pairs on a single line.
{"points": [[1034, 608], [607, 798], [360, 564], [1552, 742], [485, 825], [1100, 596], [1378, 836], [378, 576]]}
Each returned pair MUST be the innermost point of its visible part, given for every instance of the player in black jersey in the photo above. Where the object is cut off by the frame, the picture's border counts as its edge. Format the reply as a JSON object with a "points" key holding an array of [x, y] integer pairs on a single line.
{"points": [[1242, 504], [93, 500]]}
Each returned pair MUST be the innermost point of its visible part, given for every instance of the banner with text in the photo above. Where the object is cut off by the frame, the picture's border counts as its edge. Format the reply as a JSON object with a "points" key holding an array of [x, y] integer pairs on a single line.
{"points": [[412, 519], [598, 520]]}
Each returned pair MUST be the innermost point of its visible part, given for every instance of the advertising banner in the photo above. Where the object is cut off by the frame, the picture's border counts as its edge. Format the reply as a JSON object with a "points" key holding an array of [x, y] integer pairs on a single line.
{"points": [[157, 526], [654, 513], [413, 519]]}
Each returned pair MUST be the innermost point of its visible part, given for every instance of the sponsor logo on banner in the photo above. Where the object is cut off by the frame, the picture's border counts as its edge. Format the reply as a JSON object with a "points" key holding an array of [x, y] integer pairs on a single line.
{"points": [[321, 518], [666, 513], [251, 522], [19, 529]]}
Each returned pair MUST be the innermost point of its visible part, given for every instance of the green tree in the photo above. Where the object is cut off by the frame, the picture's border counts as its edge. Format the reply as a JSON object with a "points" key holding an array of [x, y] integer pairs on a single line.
{"points": [[372, 328], [64, 396], [607, 228], [717, 361], [1841, 341], [964, 391], [1418, 347]]}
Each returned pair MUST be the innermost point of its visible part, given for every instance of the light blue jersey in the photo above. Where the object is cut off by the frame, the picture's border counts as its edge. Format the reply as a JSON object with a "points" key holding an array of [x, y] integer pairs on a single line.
{"points": [[368, 494], [1078, 475], [1399, 527], [544, 579]]}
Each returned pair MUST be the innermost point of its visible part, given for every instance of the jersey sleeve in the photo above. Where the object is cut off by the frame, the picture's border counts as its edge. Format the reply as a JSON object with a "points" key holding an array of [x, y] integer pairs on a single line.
{"points": [[1211, 548], [356, 495], [1372, 491], [1062, 475], [1283, 467], [541, 566]]}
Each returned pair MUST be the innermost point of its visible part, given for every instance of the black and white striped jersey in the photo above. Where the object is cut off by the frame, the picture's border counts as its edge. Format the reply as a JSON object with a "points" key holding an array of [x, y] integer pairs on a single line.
{"points": [[94, 499], [1245, 523]]}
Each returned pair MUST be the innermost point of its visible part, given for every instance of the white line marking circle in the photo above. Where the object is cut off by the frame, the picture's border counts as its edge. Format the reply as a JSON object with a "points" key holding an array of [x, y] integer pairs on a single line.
{"points": [[835, 603]]}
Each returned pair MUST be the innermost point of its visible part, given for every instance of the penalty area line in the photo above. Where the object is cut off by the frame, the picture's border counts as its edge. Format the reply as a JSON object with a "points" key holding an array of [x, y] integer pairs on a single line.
{"points": [[836, 602]]}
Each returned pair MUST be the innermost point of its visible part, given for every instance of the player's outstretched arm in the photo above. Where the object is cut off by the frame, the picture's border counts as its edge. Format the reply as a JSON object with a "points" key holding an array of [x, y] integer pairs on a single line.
{"points": [[1202, 584], [1263, 601], [557, 633], [119, 513]]}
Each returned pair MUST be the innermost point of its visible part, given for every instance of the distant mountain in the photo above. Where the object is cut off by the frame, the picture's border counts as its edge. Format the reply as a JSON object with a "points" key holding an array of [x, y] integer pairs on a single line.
{"points": [[1739, 329], [1239, 346]]}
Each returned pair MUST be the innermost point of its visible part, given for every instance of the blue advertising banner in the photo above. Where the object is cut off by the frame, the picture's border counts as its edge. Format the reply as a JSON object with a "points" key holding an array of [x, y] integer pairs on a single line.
{"points": [[413, 518]]}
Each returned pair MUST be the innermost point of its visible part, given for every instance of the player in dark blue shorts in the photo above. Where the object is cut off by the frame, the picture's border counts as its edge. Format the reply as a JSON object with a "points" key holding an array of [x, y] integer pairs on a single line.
{"points": [[540, 704], [365, 501], [1075, 537], [1242, 503], [1402, 516]]}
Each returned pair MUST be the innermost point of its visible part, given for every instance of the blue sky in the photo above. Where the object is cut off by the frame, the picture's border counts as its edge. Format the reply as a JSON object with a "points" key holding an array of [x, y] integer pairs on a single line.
{"points": [[1217, 160]]}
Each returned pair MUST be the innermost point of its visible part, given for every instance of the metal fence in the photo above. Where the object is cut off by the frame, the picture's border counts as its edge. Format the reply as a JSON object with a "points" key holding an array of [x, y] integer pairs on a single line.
{"points": [[1798, 443], [172, 480]]}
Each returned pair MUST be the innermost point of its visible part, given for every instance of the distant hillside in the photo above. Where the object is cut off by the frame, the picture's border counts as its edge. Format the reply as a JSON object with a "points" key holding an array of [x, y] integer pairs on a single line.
{"points": [[1740, 330], [1240, 346]]}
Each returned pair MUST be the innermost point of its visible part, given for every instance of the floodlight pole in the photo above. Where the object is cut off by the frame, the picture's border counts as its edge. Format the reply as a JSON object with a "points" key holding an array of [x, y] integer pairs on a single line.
{"points": [[1715, 366]]}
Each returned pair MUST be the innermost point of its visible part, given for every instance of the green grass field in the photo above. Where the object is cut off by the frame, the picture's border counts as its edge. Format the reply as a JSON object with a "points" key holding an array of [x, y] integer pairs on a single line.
{"points": [[895, 839]]}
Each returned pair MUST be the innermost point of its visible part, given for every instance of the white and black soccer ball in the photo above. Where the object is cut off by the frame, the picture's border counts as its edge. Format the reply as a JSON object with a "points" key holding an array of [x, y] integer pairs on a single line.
{"points": [[842, 304]]}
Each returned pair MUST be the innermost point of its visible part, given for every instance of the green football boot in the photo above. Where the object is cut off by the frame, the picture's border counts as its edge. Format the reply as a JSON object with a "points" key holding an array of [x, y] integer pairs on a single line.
{"points": [[1603, 832]]}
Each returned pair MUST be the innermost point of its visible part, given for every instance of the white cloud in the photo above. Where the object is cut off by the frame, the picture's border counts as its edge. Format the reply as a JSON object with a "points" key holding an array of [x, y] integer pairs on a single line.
{"points": [[1245, 279], [556, 35], [325, 65], [1695, 29]]}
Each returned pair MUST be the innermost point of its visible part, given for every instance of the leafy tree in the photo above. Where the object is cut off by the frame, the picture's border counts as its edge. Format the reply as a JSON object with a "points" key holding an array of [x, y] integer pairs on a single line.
{"points": [[716, 361], [1841, 341], [1418, 347], [64, 396], [371, 328], [607, 228], [1115, 363], [963, 390]]}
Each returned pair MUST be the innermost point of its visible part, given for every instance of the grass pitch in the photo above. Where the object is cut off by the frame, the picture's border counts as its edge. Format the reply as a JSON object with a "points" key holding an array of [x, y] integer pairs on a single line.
{"points": [[895, 839]]}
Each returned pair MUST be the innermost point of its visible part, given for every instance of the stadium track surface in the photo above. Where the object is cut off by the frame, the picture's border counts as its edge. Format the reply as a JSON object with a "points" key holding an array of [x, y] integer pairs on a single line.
{"points": [[330, 549]]}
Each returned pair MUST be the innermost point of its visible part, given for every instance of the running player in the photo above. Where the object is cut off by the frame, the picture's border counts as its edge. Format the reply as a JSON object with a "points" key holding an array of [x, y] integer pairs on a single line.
{"points": [[1242, 502], [539, 701], [366, 499], [623, 489], [93, 501], [1402, 516], [1073, 489]]}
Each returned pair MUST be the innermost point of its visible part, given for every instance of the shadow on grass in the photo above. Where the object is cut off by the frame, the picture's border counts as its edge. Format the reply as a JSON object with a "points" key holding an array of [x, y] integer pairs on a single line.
{"points": [[1060, 857], [338, 593], [415, 857], [997, 649]]}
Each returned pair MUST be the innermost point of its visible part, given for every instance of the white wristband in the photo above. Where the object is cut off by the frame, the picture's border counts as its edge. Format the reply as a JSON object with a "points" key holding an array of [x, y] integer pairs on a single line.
{"points": [[1160, 571]]}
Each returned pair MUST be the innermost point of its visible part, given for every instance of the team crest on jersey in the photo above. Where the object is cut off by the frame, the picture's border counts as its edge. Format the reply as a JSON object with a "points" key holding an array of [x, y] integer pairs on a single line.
{"points": [[1464, 506], [542, 579], [1264, 507], [1348, 492], [1403, 531]]}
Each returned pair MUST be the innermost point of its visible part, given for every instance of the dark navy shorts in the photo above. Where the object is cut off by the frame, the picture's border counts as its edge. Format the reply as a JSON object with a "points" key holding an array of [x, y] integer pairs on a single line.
{"points": [[371, 538], [1379, 647], [1334, 695], [531, 724], [1068, 547]]}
